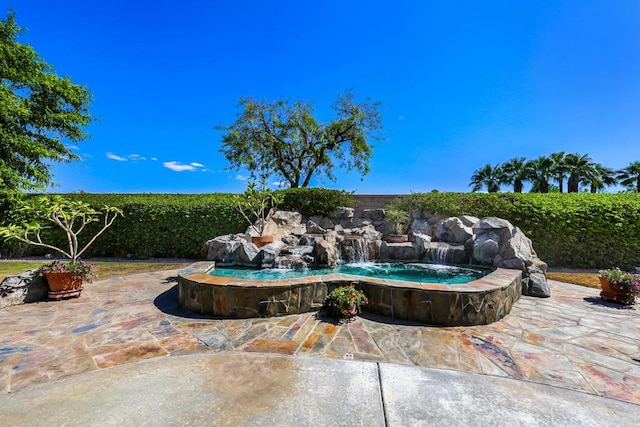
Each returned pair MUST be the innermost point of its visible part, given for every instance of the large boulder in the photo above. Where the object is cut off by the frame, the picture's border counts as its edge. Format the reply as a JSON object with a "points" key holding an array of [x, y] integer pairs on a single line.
{"points": [[342, 213], [452, 230], [468, 220], [314, 228], [230, 250], [267, 254], [420, 226], [22, 288], [514, 251], [535, 283], [485, 248], [284, 223], [325, 253], [421, 242]]}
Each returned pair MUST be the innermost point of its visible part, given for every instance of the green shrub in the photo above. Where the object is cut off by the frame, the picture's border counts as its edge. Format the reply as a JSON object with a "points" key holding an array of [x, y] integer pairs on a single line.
{"points": [[579, 230], [318, 201]]}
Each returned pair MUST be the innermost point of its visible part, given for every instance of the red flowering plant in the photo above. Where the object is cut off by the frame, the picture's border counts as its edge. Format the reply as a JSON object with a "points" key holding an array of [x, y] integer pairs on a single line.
{"points": [[627, 284], [345, 302], [80, 269]]}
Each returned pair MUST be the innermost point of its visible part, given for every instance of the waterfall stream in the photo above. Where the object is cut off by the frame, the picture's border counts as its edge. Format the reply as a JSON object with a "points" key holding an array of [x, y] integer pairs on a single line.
{"points": [[354, 249]]}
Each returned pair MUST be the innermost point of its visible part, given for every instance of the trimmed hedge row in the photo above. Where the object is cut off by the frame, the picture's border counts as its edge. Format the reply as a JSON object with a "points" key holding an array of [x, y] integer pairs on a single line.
{"points": [[170, 225], [579, 230]]}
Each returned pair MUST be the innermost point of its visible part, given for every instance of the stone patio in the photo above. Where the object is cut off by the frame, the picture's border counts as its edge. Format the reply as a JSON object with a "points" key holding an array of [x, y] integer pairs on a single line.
{"points": [[573, 340]]}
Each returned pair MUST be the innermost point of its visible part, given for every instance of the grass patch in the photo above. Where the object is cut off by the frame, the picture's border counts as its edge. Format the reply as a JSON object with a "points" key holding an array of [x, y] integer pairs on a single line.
{"points": [[104, 269], [590, 280]]}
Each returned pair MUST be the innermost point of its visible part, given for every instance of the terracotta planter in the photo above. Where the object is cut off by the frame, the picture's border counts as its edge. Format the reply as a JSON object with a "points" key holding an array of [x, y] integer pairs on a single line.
{"points": [[63, 285], [260, 241], [397, 238], [610, 293]]}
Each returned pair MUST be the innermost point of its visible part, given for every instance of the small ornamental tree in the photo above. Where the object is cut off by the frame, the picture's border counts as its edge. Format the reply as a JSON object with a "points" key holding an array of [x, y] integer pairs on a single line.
{"points": [[72, 216], [258, 202]]}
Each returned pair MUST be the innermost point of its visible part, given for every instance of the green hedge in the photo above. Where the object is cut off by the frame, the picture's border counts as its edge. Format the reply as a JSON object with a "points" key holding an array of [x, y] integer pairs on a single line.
{"points": [[318, 201], [579, 230], [568, 230], [169, 225]]}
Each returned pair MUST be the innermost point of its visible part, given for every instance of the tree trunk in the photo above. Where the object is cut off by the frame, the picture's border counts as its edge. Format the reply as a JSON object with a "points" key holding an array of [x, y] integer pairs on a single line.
{"points": [[517, 186]]}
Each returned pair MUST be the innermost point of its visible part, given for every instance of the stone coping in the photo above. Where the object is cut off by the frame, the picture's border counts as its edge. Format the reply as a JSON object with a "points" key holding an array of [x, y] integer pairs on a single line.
{"points": [[497, 279], [480, 301]]}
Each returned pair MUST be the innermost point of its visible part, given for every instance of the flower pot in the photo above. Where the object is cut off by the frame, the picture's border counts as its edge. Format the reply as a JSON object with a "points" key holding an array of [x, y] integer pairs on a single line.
{"points": [[63, 285], [397, 238], [260, 241], [610, 293]]}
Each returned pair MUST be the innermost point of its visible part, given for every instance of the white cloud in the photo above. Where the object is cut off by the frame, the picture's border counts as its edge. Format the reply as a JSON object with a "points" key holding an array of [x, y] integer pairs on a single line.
{"points": [[279, 184], [154, 158], [87, 156], [114, 157], [177, 166], [136, 157], [72, 147], [197, 165], [241, 177], [401, 118]]}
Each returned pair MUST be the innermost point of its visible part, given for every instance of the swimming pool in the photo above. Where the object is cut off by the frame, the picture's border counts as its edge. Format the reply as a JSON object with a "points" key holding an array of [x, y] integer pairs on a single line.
{"points": [[412, 272]]}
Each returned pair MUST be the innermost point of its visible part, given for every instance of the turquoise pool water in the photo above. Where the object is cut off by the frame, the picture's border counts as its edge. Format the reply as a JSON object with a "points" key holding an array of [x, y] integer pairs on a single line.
{"points": [[421, 273]]}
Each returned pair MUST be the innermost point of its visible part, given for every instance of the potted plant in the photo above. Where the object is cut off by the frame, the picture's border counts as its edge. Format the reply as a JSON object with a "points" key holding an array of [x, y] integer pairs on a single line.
{"points": [[345, 302], [619, 286], [65, 279], [72, 216], [397, 219], [257, 205]]}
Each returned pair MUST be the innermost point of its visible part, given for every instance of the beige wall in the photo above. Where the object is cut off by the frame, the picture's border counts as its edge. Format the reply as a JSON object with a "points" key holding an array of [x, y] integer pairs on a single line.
{"points": [[375, 201]]}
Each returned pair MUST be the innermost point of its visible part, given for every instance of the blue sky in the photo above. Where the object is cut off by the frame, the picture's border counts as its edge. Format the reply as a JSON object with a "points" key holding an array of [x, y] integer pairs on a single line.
{"points": [[461, 83]]}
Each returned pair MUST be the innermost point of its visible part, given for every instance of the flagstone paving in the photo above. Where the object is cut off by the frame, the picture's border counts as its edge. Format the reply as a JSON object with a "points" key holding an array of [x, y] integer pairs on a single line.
{"points": [[572, 340]]}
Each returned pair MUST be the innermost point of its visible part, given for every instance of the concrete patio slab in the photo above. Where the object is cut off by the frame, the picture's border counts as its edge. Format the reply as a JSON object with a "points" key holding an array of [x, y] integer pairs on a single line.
{"points": [[258, 390]]}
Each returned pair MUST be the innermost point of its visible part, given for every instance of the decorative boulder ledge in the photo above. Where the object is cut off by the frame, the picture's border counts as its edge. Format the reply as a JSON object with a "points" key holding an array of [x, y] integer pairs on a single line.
{"points": [[352, 235]]}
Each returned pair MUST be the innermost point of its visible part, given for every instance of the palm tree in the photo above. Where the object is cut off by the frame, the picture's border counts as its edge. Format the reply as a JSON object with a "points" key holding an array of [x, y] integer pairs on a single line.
{"points": [[580, 169], [540, 172], [487, 176], [630, 176], [559, 168], [515, 172], [603, 177]]}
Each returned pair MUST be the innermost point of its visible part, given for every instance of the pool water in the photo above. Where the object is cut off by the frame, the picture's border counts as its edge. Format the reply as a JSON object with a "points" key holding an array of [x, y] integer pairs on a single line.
{"points": [[421, 273]]}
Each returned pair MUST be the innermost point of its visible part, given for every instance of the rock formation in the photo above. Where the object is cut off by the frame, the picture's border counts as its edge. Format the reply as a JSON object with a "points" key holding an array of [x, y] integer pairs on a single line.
{"points": [[351, 235]]}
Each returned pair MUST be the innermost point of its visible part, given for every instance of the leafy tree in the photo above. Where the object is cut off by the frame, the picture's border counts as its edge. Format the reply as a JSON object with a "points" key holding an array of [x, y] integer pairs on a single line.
{"points": [[559, 169], [630, 176], [602, 177], [72, 216], [580, 168], [540, 172], [286, 138], [38, 110], [515, 172], [487, 176]]}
